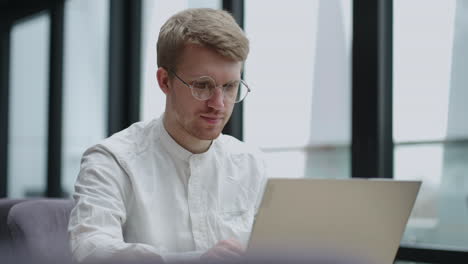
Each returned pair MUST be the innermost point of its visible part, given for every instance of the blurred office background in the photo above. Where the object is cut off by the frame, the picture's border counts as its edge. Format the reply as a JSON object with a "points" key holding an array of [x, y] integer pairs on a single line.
{"points": [[340, 89]]}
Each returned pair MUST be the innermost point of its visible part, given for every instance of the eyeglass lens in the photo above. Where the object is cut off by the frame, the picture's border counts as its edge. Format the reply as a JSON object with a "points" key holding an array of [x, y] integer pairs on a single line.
{"points": [[203, 88]]}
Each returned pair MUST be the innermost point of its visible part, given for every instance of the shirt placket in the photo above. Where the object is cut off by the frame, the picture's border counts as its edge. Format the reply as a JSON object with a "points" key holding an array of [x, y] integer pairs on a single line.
{"points": [[196, 205]]}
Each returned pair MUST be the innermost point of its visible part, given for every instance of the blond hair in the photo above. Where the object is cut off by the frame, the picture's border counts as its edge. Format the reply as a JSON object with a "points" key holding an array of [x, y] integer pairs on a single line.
{"points": [[207, 27]]}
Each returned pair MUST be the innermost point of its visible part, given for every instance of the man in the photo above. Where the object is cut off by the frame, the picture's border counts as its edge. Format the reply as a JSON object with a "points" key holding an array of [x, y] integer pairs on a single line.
{"points": [[175, 187]]}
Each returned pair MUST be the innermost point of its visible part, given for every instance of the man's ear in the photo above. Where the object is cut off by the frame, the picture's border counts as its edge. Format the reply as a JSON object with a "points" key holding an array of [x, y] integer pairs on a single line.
{"points": [[163, 79]]}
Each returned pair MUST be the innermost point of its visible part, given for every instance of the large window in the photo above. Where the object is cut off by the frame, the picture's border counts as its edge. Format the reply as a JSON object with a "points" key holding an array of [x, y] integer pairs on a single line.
{"points": [[29, 79], [299, 110], [85, 82], [430, 125]]}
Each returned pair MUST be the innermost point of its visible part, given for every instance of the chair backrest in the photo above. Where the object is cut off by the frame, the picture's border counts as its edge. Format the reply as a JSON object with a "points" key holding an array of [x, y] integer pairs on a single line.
{"points": [[39, 228], [6, 241], [5, 206]]}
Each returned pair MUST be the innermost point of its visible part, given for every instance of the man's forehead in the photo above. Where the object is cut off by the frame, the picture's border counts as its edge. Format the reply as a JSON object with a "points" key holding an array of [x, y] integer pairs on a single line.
{"points": [[199, 50]]}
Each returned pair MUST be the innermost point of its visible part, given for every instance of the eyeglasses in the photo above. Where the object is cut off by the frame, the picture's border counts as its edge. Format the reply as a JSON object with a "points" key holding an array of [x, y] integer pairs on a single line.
{"points": [[203, 88]]}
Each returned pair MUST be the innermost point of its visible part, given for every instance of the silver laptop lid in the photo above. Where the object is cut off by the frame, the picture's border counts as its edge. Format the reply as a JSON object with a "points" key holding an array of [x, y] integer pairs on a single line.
{"points": [[357, 219]]}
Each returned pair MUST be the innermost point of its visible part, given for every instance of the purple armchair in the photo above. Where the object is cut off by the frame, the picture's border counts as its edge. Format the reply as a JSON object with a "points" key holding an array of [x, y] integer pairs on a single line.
{"points": [[39, 229]]}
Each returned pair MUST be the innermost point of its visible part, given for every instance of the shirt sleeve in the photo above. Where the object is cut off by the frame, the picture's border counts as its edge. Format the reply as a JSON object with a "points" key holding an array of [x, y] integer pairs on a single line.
{"points": [[95, 227]]}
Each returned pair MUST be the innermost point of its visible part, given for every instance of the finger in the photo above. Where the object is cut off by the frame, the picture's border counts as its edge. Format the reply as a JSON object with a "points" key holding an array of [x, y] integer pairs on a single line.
{"points": [[226, 254], [235, 242], [233, 245]]}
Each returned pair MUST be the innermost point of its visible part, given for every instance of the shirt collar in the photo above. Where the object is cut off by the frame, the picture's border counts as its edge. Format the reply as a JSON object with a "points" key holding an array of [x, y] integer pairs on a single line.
{"points": [[174, 148]]}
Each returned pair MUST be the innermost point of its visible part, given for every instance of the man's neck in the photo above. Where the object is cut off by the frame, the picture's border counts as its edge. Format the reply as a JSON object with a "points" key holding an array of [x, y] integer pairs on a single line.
{"points": [[185, 140]]}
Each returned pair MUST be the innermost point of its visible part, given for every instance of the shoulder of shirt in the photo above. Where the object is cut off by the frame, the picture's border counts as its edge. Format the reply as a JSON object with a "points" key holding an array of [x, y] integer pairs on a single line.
{"points": [[131, 141]]}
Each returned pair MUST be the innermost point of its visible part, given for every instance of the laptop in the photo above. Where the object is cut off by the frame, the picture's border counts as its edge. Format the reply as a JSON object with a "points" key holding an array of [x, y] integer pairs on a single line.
{"points": [[361, 220]]}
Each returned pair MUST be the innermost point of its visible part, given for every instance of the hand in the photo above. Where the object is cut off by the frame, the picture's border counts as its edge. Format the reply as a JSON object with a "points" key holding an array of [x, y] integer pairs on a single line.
{"points": [[224, 250]]}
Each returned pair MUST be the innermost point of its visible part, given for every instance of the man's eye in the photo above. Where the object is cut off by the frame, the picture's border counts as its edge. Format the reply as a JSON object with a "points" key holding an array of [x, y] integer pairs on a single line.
{"points": [[201, 85], [231, 86]]}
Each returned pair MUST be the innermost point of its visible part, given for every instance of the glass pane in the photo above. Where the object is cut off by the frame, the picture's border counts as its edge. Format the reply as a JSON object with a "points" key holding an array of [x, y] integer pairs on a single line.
{"points": [[85, 82], [440, 215], [155, 13], [299, 110], [424, 49], [29, 75], [215, 4], [430, 128]]}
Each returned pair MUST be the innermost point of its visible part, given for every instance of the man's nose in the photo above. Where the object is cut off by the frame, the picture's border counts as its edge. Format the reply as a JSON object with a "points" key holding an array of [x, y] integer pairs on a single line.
{"points": [[216, 101]]}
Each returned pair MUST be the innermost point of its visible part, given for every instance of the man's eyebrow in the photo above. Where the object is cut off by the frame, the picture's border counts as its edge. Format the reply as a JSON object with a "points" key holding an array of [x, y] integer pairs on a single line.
{"points": [[232, 81]]}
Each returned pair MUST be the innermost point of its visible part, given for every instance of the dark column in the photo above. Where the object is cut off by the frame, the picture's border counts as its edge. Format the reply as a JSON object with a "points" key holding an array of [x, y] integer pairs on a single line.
{"points": [[4, 104], [54, 138], [372, 140], [235, 125], [124, 64]]}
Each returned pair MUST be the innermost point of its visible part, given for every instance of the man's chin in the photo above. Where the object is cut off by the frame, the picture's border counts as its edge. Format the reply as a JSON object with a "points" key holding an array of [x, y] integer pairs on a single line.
{"points": [[203, 132], [208, 136]]}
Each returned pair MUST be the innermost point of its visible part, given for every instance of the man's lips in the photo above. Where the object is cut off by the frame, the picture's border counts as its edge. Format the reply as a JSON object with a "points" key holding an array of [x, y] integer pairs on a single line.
{"points": [[212, 119]]}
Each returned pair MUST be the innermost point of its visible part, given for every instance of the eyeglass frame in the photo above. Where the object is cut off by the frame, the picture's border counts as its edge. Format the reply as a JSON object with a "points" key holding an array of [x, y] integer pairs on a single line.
{"points": [[216, 86]]}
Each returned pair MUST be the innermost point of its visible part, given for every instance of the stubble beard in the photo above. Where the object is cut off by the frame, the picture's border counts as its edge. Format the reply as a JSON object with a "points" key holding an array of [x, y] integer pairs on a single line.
{"points": [[205, 133]]}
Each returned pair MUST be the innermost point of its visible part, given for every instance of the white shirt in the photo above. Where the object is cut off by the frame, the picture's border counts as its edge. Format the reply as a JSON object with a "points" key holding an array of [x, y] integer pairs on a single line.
{"points": [[139, 193]]}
